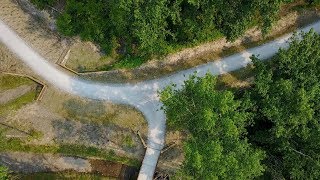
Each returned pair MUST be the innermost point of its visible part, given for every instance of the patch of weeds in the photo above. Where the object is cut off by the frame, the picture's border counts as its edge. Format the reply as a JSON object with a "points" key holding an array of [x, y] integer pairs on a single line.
{"points": [[127, 62], [128, 142], [10, 82], [35, 135], [13, 144], [81, 69], [4, 173], [18, 103], [91, 111]]}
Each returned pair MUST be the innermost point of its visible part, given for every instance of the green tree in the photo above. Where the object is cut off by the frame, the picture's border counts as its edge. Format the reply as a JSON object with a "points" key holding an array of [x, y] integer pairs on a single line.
{"points": [[217, 147], [313, 2], [286, 98], [145, 28]]}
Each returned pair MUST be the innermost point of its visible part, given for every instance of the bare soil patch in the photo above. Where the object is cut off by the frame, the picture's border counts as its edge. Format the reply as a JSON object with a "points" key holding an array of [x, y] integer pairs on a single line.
{"points": [[47, 43], [116, 170], [85, 56], [9, 63], [106, 168]]}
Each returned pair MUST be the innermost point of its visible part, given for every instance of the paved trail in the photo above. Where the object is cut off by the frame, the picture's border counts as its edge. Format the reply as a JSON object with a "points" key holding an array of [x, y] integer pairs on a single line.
{"points": [[142, 95]]}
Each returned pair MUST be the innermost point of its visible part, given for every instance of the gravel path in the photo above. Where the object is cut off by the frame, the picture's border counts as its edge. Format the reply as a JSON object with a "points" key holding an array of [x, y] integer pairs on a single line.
{"points": [[142, 95]]}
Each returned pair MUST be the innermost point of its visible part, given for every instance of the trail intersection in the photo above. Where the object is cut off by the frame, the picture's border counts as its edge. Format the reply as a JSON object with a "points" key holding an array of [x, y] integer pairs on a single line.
{"points": [[142, 95]]}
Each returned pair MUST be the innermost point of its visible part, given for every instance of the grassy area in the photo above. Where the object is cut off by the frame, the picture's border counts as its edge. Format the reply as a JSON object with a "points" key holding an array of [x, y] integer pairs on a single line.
{"points": [[13, 144], [128, 142], [61, 175], [10, 82], [124, 63], [235, 79], [18, 103]]}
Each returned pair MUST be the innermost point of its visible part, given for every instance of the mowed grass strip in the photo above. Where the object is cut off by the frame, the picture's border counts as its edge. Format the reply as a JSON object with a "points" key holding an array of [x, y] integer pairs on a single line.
{"points": [[11, 82], [18, 103], [17, 145]]}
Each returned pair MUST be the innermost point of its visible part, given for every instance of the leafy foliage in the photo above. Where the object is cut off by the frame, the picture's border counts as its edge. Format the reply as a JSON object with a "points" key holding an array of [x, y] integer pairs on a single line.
{"points": [[283, 106], [147, 28], [42, 4], [314, 2], [287, 109], [216, 147], [4, 173]]}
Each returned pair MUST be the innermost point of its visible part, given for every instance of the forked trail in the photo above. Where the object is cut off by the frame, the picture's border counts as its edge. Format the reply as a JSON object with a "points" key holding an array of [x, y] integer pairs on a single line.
{"points": [[142, 95]]}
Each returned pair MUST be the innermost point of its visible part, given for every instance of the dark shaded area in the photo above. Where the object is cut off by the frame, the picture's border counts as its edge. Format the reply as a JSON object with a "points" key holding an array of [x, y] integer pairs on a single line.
{"points": [[116, 170], [285, 108]]}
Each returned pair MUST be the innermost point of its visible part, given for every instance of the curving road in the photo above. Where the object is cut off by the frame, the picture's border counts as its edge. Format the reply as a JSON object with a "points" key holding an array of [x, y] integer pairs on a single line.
{"points": [[142, 95]]}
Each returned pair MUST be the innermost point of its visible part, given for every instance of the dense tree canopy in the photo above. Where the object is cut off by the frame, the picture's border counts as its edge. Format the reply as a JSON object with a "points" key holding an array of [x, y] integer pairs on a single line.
{"points": [[279, 114], [42, 4], [217, 147], [155, 27], [286, 96]]}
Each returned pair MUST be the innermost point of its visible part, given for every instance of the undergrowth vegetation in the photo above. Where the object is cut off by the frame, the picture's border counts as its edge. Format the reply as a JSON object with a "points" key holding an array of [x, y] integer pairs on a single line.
{"points": [[138, 30]]}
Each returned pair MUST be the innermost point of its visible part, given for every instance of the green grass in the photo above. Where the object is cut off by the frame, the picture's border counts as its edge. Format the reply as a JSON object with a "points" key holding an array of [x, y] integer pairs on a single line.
{"points": [[128, 142], [17, 103], [61, 175], [124, 63], [14, 144], [10, 82]]}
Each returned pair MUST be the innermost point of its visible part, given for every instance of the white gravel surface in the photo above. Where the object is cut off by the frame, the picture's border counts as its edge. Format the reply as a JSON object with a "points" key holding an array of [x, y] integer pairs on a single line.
{"points": [[142, 95]]}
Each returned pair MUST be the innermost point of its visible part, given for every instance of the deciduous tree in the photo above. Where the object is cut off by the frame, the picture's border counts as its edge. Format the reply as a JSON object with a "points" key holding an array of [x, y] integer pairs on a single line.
{"points": [[216, 147], [286, 95]]}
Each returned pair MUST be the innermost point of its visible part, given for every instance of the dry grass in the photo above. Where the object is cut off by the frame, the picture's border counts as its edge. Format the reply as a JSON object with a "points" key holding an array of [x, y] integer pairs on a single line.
{"points": [[84, 57], [86, 110], [47, 43], [11, 82]]}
